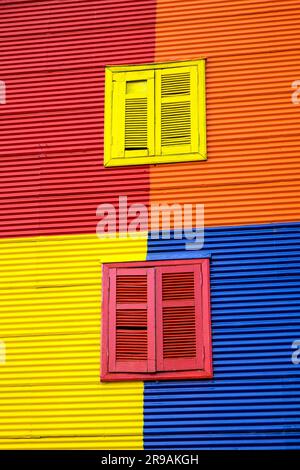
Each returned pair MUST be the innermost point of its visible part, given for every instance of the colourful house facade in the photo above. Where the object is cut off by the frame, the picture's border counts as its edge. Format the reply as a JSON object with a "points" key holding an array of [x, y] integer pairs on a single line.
{"points": [[53, 63]]}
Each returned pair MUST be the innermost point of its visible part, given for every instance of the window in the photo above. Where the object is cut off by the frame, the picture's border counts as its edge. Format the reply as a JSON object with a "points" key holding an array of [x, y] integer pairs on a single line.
{"points": [[155, 113], [156, 321]]}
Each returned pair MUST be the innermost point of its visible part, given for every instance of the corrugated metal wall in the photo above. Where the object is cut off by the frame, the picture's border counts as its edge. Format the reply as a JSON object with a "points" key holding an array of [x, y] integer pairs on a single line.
{"points": [[50, 394], [51, 157], [53, 55], [251, 177], [253, 401], [52, 60], [252, 50]]}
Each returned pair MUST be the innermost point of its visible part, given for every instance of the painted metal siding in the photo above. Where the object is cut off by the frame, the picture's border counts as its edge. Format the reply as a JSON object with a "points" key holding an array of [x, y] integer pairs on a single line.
{"points": [[253, 401], [251, 176], [53, 56], [51, 395], [251, 48], [51, 157]]}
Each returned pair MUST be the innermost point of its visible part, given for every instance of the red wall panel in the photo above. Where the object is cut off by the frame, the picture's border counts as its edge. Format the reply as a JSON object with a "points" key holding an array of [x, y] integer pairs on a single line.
{"points": [[51, 129]]}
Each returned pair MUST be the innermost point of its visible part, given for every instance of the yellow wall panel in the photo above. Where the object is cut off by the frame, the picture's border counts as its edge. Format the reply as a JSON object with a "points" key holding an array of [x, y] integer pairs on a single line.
{"points": [[97, 442], [51, 395], [18, 263]]}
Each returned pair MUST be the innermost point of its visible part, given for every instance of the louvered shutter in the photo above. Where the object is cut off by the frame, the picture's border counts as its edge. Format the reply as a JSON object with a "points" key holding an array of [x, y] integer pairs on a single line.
{"points": [[131, 320], [133, 114], [176, 105], [179, 330]]}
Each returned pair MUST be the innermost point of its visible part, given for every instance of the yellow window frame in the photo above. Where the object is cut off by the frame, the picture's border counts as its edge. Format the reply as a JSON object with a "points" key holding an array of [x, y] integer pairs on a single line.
{"points": [[110, 125]]}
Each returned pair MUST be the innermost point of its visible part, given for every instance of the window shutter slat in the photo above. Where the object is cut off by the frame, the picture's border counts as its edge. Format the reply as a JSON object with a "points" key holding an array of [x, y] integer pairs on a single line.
{"points": [[179, 318], [136, 122], [131, 320], [176, 111], [133, 114]]}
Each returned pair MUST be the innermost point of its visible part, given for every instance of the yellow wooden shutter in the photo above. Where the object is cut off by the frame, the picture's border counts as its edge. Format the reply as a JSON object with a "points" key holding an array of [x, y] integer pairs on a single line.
{"points": [[177, 109], [133, 114]]}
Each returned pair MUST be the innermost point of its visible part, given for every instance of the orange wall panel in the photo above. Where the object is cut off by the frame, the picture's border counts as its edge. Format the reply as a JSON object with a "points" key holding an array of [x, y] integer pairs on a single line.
{"points": [[252, 172]]}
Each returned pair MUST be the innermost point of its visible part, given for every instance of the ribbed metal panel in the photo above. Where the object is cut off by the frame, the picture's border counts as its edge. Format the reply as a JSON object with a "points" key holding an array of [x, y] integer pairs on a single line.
{"points": [[51, 156], [53, 56], [51, 395], [251, 49], [254, 399]]}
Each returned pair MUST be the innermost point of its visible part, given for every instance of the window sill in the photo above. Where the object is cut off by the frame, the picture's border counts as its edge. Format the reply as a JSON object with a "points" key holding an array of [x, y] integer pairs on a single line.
{"points": [[192, 157], [183, 375]]}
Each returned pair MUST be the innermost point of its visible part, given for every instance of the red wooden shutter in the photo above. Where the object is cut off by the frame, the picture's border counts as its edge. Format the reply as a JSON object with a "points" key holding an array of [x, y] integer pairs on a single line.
{"points": [[179, 318], [131, 320]]}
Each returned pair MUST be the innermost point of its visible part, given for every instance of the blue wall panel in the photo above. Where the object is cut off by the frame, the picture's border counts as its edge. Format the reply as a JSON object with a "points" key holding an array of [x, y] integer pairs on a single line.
{"points": [[253, 402]]}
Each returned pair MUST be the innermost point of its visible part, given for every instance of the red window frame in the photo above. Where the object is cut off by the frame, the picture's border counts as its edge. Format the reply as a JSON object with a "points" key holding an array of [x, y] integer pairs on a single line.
{"points": [[156, 367]]}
